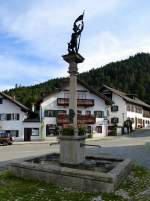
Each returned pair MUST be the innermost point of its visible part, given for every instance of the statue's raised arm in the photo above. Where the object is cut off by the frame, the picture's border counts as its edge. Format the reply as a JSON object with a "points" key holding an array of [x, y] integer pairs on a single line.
{"points": [[74, 44]]}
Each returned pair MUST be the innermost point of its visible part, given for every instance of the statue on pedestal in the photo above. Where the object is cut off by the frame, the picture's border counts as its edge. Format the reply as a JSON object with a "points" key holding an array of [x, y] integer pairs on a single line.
{"points": [[73, 45]]}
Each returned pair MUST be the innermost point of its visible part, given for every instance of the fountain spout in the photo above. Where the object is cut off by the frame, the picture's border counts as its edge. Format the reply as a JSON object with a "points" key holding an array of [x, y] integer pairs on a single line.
{"points": [[89, 145], [54, 143]]}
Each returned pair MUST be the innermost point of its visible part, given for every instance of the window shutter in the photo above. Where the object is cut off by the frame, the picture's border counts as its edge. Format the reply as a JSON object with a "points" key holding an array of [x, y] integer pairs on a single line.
{"points": [[46, 113], [8, 116], [18, 116]]}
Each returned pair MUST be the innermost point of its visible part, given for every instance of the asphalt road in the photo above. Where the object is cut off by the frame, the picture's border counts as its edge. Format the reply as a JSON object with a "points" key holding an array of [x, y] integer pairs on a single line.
{"points": [[12, 152], [135, 146]]}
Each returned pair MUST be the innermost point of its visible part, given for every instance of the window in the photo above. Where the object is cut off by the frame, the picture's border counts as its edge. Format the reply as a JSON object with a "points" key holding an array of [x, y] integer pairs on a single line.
{"points": [[114, 108], [35, 131], [114, 120], [53, 113], [50, 130], [81, 95], [66, 94], [2, 117], [99, 114], [140, 121], [138, 109], [99, 129], [128, 107], [132, 108], [89, 129], [49, 113], [88, 112], [9, 117], [1, 100], [146, 113], [16, 116], [79, 112]]}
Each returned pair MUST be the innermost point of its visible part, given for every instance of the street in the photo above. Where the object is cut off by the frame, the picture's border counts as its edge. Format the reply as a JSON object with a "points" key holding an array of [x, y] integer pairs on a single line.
{"points": [[135, 146]]}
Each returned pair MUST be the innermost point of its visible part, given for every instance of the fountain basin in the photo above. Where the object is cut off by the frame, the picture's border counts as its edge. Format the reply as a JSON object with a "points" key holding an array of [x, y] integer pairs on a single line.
{"points": [[96, 174]]}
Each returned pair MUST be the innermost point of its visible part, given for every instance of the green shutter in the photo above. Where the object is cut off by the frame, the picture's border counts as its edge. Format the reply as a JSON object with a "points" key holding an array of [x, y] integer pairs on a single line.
{"points": [[46, 113]]}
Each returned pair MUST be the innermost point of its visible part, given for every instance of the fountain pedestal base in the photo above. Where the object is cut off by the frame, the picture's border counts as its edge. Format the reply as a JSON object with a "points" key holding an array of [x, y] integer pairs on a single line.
{"points": [[71, 151]]}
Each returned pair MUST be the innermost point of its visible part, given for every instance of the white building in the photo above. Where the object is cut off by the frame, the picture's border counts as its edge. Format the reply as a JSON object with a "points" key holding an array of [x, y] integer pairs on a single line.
{"points": [[14, 119], [126, 106], [92, 107]]}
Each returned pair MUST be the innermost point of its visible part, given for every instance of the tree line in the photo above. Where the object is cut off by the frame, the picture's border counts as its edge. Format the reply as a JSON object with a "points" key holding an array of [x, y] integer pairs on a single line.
{"points": [[131, 76]]}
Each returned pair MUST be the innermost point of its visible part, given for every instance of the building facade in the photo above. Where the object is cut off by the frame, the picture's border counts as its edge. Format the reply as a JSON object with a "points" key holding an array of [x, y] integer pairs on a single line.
{"points": [[92, 107], [14, 119], [126, 106]]}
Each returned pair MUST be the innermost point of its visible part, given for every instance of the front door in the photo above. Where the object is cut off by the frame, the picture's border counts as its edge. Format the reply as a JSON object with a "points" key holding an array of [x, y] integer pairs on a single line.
{"points": [[27, 134]]}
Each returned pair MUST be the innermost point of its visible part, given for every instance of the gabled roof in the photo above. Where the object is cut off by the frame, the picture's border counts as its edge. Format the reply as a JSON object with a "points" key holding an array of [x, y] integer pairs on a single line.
{"points": [[126, 98], [97, 93], [23, 107], [100, 95]]}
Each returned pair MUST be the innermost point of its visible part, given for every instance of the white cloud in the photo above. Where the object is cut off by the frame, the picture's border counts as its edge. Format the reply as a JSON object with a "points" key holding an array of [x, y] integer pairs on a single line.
{"points": [[44, 27], [106, 48]]}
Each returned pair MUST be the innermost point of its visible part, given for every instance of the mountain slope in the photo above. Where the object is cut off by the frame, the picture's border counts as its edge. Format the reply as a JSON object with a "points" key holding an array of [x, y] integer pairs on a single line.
{"points": [[131, 75]]}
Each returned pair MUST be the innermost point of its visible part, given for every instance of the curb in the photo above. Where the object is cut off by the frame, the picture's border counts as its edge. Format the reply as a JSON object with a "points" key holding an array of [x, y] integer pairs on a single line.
{"points": [[56, 140]]}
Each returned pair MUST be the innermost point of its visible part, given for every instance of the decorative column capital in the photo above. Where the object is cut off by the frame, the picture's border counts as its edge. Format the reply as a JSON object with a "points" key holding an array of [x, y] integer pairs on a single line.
{"points": [[73, 58]]}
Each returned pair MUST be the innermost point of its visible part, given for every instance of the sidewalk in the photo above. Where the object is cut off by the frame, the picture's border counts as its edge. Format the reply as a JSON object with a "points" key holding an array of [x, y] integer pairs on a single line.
{"points": [[54, 139]]}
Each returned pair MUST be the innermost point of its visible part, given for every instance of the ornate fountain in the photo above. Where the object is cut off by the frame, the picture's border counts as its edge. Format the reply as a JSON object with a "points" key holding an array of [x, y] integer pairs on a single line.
{"points": [[70, 167]]}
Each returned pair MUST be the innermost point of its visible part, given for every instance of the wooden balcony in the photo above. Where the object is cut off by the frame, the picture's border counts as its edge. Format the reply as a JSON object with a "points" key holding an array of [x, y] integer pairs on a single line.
{"points": [[80, 102], [86, 119], [82, 119]]}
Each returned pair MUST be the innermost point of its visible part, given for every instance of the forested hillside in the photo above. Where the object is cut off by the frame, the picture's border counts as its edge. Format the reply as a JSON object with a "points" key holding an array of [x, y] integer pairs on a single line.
{"points": [[131, 75]]}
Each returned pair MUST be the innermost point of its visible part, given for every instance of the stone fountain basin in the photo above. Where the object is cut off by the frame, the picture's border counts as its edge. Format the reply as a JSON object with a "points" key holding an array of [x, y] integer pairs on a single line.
{"points": [[96, 174]]}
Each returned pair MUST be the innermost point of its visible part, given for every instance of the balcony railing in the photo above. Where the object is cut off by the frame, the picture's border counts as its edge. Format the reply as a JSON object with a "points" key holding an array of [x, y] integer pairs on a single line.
{"points": [[80, 102], [82, 119]]}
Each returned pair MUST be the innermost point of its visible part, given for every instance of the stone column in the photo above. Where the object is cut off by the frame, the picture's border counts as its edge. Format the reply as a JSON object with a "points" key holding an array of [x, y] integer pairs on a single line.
{"points": [[73, 71], [71, 151], [73, 60]]}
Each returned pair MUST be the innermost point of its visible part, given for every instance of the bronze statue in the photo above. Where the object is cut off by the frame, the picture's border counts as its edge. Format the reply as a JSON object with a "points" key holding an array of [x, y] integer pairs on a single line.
{"points": [[74, 44]]}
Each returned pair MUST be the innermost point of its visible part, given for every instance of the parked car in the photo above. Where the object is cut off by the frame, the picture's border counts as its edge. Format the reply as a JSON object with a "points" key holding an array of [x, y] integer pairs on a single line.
{"points": [[5, 138]]}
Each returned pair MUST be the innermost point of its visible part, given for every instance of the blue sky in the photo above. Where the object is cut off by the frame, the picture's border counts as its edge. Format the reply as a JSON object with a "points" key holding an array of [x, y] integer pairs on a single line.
{"points": [[34, 34]]}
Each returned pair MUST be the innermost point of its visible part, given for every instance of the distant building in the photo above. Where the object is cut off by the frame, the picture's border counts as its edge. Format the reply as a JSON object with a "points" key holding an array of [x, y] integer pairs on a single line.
{"points": [[92, 107], [126, 106], [14, 119]]}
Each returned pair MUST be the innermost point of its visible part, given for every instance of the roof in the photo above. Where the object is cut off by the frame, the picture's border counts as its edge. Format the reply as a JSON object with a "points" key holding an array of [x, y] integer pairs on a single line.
{"points": [[97, 93], [100, 95], [23, 107], [126, 98]]}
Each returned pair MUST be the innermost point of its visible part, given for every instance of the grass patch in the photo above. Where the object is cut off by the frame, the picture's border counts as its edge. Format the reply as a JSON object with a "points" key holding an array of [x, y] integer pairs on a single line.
{"points": [[15, 189]]}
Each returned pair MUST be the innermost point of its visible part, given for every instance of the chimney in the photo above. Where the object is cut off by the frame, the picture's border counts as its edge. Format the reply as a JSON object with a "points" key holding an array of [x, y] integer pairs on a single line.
{"points": [[33, 107]]}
